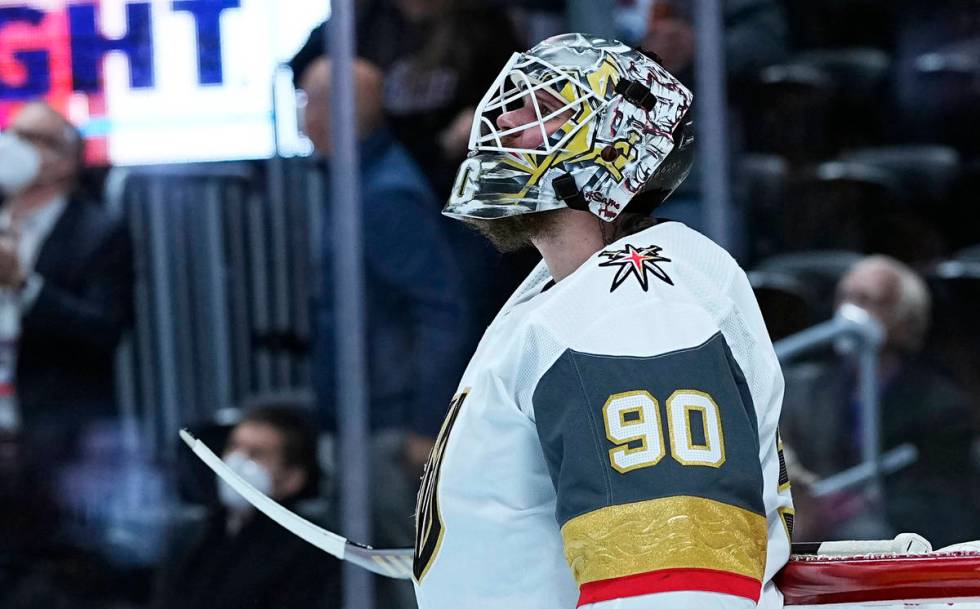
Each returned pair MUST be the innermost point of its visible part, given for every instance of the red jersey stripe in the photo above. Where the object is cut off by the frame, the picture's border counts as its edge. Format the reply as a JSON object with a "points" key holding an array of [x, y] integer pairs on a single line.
{"points": [[671, 580]]}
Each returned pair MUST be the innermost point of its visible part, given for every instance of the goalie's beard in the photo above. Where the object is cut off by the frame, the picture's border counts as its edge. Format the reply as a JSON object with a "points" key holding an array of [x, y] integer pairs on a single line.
{"points": [[513, 233]]}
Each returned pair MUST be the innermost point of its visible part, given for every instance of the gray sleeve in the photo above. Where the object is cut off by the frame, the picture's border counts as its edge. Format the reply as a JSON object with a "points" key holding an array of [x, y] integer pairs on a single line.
{"points": [[569, 412]]}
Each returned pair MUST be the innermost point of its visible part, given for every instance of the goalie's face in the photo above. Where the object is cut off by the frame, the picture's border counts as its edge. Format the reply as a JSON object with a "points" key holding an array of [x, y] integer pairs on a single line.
{"points": [[522, 128], [533, 109]]}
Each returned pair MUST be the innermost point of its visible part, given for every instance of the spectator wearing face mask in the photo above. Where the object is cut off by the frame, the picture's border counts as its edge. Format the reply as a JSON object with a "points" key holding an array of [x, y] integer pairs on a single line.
{"points": [[65, 300], [68, 263], [920, 405], [238, 557]]}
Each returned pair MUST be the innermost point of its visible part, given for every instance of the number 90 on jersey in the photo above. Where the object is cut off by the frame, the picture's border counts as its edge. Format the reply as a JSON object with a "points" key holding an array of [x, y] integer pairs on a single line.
{"points": [[635, 427]]}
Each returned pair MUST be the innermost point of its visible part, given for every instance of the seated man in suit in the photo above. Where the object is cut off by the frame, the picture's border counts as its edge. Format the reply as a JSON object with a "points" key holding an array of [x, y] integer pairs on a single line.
{"points": [[69, 262], [238, 557], [65, 298]]}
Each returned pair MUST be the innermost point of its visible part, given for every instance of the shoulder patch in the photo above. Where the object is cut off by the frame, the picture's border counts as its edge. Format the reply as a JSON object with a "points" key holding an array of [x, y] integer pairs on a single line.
{"points": [[640, 263]]}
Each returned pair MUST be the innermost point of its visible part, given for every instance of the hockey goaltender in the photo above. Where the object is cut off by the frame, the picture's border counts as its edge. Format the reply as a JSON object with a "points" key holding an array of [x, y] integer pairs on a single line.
{"points": [[613, 441]]}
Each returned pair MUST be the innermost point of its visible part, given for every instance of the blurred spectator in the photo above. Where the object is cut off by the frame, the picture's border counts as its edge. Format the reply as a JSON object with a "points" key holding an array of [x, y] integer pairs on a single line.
{"points": [[919, 405], [71, 262], [439, 57], [417, 312], [239, 558], [66, 276], [755, 36]]}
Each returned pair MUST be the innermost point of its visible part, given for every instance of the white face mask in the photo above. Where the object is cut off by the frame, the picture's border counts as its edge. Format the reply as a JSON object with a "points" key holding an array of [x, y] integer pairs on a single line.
{"points": [[252, 472], [20, 163]]}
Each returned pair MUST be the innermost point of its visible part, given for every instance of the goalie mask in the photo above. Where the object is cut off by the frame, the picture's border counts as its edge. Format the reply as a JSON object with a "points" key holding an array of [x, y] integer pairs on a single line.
{"points": [[575, 122]]}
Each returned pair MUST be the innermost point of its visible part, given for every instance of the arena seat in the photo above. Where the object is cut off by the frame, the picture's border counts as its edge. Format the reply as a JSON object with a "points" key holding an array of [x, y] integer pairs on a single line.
{"points": [[863, 206], [926, 172], [860, 77], [225, 271], [786, 302], [819, 271], [819, 102], [840, 23], [944, 96], [856, 71], [913, 230], [955, 287], [959, 58], [790, 112], [958, 219], [828, 205], [761, 182]]}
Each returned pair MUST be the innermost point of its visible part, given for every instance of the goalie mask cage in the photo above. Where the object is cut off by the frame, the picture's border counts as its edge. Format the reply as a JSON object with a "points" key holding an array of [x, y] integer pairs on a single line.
{"points": [[951, 579]]}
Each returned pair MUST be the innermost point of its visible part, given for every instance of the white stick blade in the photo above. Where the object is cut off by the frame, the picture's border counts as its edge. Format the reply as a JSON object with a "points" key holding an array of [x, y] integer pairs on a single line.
{"points": [[396, 564]]}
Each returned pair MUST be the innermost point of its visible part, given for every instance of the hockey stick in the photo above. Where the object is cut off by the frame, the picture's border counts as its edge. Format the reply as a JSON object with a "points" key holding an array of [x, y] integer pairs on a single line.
{"points": [[904, 543], [396, 563]]}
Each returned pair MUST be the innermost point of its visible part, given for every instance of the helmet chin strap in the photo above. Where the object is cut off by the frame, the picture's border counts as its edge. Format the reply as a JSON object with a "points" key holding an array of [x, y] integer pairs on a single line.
{"points": [[567, 191], [607, 230]]}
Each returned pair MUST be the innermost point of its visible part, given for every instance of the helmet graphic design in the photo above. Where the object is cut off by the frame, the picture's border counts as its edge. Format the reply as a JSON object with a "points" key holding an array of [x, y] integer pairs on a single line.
{"points": [[575, 122]]}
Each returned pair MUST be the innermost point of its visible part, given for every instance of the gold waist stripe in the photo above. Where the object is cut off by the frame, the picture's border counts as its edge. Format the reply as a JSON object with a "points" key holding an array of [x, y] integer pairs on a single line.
{"points": [[669, 533]]}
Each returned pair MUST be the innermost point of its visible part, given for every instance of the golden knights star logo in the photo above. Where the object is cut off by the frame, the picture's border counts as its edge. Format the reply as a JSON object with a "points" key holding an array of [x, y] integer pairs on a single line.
{"points": [[636, 262]]}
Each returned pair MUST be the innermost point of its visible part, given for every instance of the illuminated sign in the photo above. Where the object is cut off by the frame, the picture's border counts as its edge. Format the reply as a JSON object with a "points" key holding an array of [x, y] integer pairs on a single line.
{"points": [[161, 80]]}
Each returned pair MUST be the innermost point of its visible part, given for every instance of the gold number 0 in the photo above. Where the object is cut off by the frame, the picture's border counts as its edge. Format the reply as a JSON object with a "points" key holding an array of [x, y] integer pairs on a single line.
{"points": [[633, 423]]}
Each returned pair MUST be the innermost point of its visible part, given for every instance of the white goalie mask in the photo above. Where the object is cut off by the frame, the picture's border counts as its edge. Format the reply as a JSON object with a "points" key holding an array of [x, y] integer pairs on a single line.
{"points": [[575, 122]]}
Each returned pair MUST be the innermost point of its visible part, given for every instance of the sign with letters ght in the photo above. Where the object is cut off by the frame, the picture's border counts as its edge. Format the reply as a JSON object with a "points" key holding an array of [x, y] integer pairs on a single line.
{"points": [[156, 81]]}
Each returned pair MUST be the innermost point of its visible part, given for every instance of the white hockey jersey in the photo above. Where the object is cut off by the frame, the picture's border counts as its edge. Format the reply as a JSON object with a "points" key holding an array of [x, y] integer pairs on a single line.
{"points": [[613, 443]]}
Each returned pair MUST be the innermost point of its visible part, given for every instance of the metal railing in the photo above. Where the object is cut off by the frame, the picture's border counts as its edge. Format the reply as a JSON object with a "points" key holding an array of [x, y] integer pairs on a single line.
{"points": [[854, 333]]}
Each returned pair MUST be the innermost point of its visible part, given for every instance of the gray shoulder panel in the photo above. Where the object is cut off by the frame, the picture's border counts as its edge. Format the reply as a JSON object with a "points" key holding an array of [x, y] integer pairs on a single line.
{"points": [[568, 407]]}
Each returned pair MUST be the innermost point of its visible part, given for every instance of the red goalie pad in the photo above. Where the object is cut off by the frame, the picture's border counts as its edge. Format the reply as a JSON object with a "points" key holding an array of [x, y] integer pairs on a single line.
{"points": [[823, 580]]}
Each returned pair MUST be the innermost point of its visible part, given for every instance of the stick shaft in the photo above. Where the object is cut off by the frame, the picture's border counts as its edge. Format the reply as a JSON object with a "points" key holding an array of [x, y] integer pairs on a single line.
{"points": [[331, 543]]}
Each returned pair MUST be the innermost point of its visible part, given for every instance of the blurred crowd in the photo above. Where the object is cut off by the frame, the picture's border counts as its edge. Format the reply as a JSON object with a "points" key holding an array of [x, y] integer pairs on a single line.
{"points": [[854, 163]]}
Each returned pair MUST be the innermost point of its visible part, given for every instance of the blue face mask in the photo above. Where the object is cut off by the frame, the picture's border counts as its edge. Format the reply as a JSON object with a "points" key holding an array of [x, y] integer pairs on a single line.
{"points": [[251, 472]]}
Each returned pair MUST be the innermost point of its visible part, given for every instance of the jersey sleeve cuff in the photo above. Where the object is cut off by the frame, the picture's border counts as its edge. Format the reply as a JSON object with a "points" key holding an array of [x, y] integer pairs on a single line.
{"points": [[670, 580], [668, 544]]}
